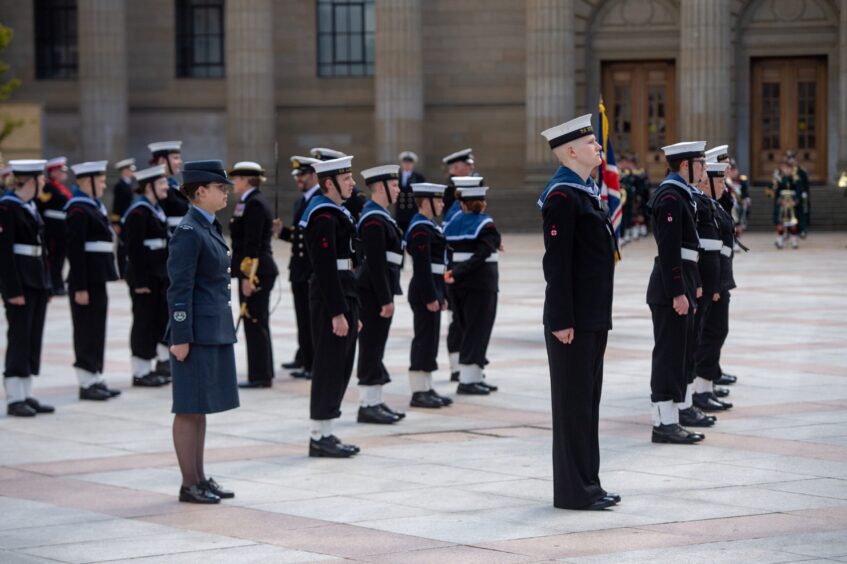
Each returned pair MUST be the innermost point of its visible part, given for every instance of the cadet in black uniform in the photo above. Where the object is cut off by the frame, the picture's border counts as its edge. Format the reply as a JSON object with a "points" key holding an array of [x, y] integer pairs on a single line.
{"points": [[356, 201], [169, 153], [425, 243], [579, 268], [405, 208], [460, 163], [121, 200], [378, 281], [674, 288], [333, 302], [92, 261], [25, 286], [251, 228], [473, 243], [145, 235], [299, 266], [51, 205]]}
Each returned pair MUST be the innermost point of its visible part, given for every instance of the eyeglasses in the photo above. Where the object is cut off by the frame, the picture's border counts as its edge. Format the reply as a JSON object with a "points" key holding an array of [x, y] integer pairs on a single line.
{"points": [[225, 188]]}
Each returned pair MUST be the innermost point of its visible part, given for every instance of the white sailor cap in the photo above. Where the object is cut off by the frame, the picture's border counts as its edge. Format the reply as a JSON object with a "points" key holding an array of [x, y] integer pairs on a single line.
{"points": [[428, 189], [466, 181], [378, 173], [324, 154], [716, 169], [407, 156], [91, 168], [246, 168], [58, 162], [333, 167], [684, 150], [475, 193], [165, 147], [151, 173], [27, 167], [465, 155], [568, 131], [303, 164], [717, 154], [126, 163]]}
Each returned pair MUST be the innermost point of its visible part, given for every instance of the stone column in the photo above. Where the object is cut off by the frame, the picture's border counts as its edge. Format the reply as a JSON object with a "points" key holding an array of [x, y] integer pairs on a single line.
{"points": [[550, 69], [250, 106], [102, 79], [705, 62], [842, 90], [399, 79]]}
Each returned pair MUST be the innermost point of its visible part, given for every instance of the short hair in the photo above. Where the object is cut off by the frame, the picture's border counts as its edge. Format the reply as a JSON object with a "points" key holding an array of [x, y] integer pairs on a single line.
{"points": [[255, 181], [189, 189], [675, 165], [474, 206]]}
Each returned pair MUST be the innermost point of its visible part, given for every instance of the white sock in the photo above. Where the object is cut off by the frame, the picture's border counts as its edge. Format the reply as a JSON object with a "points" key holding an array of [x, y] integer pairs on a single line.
{"points": [[326, 428], [86, 379], [15, 389], [163, 354], [454, 362], [27, 387], [315, 429], [665, 413], [703, 386], [794, 240], [141, 366], [428, 381], [418, 381], [370, 395], [470, 374], [689, 398]]}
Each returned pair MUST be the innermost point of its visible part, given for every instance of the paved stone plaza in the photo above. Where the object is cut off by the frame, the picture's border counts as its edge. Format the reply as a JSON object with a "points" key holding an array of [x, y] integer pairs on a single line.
{"points": [[471, 483]]}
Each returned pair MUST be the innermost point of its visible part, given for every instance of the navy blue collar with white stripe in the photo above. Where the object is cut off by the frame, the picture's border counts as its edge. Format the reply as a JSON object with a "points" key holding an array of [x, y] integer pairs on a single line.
{"points": [[373, 208], [466, 226], [566, 177], [142, 201], [80, 197], [420, 219], [321, 201]]}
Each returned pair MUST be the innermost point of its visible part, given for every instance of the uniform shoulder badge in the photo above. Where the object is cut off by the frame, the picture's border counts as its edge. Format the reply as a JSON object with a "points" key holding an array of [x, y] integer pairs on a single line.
{"points": [[180, 316], [186, 227]]}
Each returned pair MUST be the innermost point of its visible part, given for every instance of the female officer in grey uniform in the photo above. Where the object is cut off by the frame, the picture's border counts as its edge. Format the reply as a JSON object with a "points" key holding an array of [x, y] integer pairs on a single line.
{"points": [[200, 326]]}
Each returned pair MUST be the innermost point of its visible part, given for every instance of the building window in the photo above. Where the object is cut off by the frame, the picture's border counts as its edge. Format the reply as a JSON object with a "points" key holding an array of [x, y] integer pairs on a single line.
{"points": [[200, 38], [55, 39], [346, 37]]}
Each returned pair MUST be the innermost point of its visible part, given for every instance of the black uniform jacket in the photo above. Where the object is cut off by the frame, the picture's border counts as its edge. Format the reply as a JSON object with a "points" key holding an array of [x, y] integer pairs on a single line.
{"points": [[251, 230], [175, 205], [122, 199], [20, 225], [426, 244], [145, 235], [382, 244], [299, 265], [727, 226], [474, 236], [405, 207], [710, 236], [89, 235]]}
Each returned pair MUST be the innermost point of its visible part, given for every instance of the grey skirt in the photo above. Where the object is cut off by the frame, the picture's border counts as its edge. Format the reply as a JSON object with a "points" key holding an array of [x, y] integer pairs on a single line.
{"points": [[205, 382]]}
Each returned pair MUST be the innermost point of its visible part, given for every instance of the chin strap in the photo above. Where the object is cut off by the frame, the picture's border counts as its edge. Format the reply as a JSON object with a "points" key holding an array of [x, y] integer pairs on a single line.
{"points": [[691, 171], [93, 187], [337, 188], [387, 192], [712, 187]]}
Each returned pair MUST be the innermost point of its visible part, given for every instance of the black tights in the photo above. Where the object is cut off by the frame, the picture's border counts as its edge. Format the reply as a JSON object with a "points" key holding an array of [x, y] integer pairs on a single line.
{"points": [[189, 441]]}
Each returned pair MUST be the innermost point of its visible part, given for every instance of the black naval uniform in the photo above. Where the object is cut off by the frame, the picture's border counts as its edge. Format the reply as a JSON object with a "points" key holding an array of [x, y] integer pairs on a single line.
{"points": [[299, 272], [23, 272], [251, 230], [709, 266], [92, 265], [406, 208], [355, 203], [674, 273], [579, 267], [51, 205], [145, 235], [123, 196], [378, 281], [330, 234], [425, 243], [175, 205]]}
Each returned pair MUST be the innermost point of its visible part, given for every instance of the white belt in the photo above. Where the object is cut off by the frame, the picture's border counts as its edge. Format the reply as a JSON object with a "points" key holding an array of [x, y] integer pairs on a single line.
{"points": [[99, 247], [343, 264], [438, 268], [55, 214], [711, 244], [462, 257], [27, 250], [688, 254], [393, 258], [174, 220], [155, 244], [726, 251]]}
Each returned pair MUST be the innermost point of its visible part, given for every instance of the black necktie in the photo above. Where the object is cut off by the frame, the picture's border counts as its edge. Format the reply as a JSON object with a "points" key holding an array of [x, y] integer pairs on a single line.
{"points": [[217, 225]]}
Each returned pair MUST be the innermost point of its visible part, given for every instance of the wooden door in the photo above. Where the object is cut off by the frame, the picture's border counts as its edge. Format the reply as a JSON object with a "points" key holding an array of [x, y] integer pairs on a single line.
{"points": [[789, 113], [640, 98]]}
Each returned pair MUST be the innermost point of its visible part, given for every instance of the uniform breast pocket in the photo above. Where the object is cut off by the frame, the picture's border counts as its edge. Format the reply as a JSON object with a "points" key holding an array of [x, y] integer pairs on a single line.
{"points": [[213, 325]]}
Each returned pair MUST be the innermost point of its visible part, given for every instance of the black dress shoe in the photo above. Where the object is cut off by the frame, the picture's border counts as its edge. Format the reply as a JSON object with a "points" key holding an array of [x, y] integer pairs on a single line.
{"points": [[475, 389], [600, 504], [327, 448], [148, 381], [256, 384], [40, 407], [454, 376], [197, 494], [293, 365], [444, 399], [302, 374], [693, 417], [102, 385], [375, 414], [708, 402], [20, 409], [350, 447], [211, 485], [720, 392], [163, 368], [726, 380], [491, 387], [94, 393], [425, 399], [674, 434], [614, 496], [397, 414]]}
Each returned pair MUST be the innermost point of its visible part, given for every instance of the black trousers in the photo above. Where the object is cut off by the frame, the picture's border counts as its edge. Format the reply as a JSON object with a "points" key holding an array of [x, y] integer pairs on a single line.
{"points": [[576, 382], [370, 369], [25, 333], [257, 331], [712, 337], [122, 260], [427, 327], [454, 330], [668, 377], [149, 319], [476, 310], [305, 349], [693, 342], [333, 363], [89, 323], [56, 252]]}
